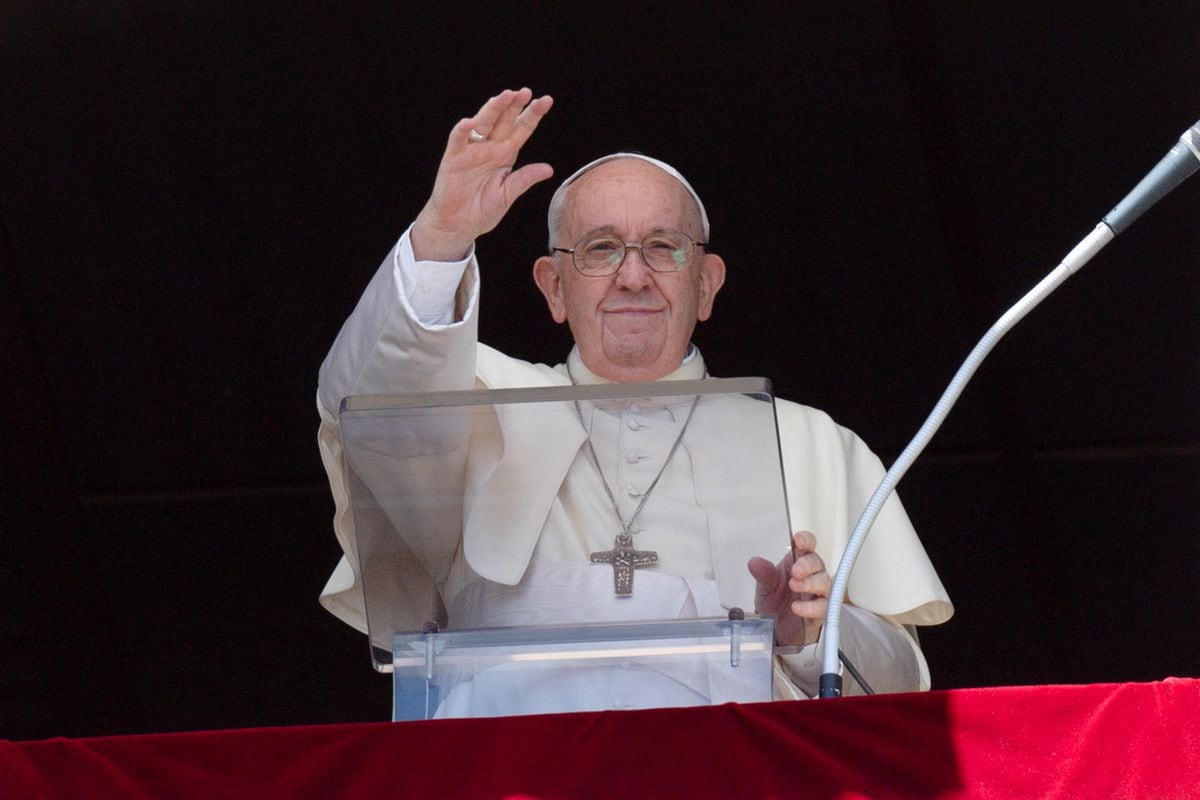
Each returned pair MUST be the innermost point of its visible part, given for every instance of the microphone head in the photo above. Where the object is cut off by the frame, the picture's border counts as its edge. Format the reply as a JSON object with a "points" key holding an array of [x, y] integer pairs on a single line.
{"points": [[1181, 161], [1191, 140]]}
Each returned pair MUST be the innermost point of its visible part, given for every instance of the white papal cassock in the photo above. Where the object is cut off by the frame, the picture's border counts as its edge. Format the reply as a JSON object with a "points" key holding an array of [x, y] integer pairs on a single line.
{"points": [[406, 336]]}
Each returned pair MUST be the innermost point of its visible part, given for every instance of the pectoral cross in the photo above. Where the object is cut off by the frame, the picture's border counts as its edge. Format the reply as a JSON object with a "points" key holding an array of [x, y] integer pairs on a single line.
{"points": [[624, 558]]}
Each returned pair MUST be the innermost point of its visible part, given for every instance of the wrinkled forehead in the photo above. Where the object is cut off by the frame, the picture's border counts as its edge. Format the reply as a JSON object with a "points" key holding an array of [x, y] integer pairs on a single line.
{"points": [[560, 195]]}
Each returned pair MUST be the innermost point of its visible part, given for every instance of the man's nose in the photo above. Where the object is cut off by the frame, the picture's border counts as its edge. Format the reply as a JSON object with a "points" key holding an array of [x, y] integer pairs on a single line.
{"points": [[634, 273]]}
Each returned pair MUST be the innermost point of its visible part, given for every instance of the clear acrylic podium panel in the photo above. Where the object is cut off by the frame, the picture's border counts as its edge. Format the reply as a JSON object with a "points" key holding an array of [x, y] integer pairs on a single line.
{"points": [[590, 667], [415, 462]]}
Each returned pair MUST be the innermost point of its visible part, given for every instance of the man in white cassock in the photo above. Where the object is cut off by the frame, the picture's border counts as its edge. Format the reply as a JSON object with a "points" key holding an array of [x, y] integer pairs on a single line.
{"points": [[629, 272]]}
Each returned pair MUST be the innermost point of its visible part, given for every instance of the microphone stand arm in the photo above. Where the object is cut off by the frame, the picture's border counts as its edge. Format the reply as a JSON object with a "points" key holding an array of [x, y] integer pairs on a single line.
{"points": [[831, 681]]}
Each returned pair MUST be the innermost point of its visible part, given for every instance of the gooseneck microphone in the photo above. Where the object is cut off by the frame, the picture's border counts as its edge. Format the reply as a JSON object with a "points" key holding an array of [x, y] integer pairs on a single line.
{"points": [[1181, 161]]}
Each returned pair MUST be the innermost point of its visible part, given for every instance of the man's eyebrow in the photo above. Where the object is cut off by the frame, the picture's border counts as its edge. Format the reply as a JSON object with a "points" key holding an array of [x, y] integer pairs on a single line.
{"points": [[612, 230]]}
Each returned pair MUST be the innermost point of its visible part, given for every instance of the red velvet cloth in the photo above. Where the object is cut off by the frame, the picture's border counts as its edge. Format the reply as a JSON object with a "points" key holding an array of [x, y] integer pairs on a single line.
{"points": [[1096, 741]]}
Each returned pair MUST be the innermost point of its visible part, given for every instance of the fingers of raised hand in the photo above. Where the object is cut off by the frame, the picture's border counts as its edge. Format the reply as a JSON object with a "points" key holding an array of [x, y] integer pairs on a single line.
{"points": [[500, 126], [486, 120], [527, 121], [509, 119], [518, 182]]}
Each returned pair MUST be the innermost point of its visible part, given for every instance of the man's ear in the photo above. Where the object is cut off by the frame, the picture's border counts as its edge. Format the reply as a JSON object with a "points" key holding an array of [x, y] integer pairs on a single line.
{"points": [[545, 275], [712, 278]]}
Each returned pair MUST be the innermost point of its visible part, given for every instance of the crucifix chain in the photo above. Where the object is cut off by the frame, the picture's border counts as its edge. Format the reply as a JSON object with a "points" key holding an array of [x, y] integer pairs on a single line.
{"points": [[624, 557]]}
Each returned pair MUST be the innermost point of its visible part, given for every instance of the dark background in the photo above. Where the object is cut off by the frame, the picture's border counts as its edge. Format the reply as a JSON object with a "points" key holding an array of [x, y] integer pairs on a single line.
{"points": [[195, 193]]}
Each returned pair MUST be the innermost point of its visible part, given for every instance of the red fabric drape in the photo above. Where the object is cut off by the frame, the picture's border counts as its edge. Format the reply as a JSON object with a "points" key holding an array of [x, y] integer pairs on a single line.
{"points": [[1096, 741]]}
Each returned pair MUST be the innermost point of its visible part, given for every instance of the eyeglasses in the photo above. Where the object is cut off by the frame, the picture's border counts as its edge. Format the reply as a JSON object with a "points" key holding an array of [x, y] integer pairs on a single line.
{"points": [[599, 256]]}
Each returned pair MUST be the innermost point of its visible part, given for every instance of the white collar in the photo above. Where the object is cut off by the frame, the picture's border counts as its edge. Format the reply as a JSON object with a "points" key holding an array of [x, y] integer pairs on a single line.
{"points": [[690, 369]]}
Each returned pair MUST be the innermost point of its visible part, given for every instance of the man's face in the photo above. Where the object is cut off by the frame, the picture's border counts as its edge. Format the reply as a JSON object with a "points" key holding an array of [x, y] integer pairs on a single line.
{"points": [[634, 325]]}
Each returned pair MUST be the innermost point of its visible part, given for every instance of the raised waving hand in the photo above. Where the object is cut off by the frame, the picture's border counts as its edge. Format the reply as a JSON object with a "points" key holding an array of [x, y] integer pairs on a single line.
{"points": [[476, 182]]}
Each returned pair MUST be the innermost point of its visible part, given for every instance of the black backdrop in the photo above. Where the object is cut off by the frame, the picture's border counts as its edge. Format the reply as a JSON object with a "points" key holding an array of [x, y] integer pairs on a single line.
{"points": [[195, 193]]}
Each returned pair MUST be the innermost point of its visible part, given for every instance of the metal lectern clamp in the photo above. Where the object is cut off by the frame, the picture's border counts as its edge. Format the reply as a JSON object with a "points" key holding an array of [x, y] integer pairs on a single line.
{"points": [[736, 615], [430, 629]]}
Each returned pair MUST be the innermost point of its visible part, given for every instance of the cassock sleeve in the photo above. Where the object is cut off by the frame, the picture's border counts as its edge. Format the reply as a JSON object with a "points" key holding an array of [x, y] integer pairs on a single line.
{"points": [[413, 330]]}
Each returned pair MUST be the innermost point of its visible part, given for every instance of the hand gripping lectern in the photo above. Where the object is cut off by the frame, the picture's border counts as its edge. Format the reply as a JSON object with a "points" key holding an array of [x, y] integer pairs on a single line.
{"points": [[566, 548]]}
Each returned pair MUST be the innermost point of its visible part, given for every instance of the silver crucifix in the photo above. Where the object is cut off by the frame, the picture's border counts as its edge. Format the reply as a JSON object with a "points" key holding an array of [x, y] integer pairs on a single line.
{"points": [[624, 558]]}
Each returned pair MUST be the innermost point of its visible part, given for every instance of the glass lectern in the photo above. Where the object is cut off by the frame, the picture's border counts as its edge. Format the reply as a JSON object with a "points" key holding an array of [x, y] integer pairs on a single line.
{"points": [[566, 548]]}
